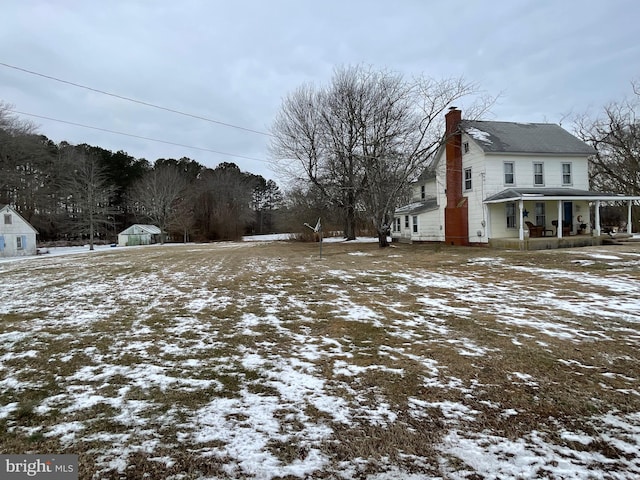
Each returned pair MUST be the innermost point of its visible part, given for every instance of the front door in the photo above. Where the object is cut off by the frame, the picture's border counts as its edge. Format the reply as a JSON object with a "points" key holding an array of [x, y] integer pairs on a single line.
{"points": [[567, 214]]}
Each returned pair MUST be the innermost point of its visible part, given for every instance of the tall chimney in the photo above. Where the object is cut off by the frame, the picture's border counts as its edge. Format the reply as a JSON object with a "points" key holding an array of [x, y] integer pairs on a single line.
{"points": [[453, 139], [456, 221]]}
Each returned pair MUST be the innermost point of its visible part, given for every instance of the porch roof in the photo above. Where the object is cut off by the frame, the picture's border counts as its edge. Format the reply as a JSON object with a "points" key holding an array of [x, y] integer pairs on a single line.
{"points": [[560, 193]]}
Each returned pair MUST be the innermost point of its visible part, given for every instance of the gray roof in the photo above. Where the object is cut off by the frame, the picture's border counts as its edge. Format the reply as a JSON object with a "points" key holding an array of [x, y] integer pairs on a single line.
{"points": [[137, 229], [416, 207], [561, 192], [535, 138]]}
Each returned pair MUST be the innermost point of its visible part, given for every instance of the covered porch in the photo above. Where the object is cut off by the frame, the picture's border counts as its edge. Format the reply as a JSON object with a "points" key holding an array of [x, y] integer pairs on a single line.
{"points": [[541, 218]]}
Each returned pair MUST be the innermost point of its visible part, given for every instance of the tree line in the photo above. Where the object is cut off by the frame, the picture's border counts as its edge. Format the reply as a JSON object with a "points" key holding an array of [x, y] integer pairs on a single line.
{"points": [[83, 192]]}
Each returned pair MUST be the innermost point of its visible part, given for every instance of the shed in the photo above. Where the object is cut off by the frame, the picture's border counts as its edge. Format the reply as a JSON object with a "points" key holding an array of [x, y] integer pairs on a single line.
{"points": [[17, 236], [138, 234]]}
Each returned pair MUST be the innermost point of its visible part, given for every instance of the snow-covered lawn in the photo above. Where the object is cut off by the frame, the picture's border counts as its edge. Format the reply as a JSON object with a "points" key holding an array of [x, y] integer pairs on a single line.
{"points": [[260, 360]]}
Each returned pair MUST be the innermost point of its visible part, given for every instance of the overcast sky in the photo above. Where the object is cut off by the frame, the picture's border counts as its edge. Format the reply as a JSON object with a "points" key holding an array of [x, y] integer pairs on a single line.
{"points": [[233, 61]]}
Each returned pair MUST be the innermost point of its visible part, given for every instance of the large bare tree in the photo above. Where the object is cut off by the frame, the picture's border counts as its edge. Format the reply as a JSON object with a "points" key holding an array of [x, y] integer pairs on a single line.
{"points": [[85, 191], [615, 134], [160, 196], [363, 138]]}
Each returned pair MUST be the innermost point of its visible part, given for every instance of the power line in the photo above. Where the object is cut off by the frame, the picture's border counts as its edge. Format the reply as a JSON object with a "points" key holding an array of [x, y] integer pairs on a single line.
{"points": [[137, 136], [147, 104]]}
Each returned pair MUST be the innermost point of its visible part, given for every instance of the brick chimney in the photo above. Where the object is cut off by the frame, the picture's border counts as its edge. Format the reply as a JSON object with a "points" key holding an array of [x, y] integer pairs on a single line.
{"points": [[456, 212], [453, 140]]}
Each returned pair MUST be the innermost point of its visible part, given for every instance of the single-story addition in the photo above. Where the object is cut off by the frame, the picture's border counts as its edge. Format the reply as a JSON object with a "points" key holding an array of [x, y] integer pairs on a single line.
{"points": [[138, 234], [17, 236], [523, 185]]}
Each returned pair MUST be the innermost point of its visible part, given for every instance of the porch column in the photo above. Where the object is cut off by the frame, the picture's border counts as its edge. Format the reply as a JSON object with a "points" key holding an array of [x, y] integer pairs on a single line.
{"points": [[629, 230], [521, 206], [597, 218], [559, 228], [487, 227]]}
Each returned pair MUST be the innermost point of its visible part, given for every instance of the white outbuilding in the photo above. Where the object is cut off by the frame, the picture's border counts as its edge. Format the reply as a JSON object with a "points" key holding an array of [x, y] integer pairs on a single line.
{"points": [[17, 236], [139, 235]]}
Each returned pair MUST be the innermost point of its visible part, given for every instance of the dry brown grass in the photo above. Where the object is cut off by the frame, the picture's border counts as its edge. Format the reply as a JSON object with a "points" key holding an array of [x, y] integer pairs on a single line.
{"points": [[474, 351]]}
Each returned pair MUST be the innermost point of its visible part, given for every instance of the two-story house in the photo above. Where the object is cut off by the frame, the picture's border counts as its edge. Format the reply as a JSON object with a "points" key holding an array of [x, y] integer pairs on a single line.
{"points": [[503, 180]]}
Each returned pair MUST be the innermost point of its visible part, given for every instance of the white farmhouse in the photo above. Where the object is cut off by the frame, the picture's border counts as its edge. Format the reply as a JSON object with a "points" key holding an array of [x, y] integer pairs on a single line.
{"points": [[502, 182], [17, 236]]}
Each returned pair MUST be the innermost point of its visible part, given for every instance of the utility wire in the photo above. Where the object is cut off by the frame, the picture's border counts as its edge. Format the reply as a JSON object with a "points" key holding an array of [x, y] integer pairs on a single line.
{"points": [[134, 100], [137, 136]]}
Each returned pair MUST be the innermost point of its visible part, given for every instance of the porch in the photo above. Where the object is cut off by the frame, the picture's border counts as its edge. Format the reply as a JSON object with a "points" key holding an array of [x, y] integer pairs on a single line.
{"points": [[546, 218], [547, 243]]}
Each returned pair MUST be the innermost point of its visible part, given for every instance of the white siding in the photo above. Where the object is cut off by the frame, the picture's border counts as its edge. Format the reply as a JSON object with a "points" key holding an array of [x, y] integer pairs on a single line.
{"points": [[523, 166], [11, 232], [474, 159], [430, 226]]}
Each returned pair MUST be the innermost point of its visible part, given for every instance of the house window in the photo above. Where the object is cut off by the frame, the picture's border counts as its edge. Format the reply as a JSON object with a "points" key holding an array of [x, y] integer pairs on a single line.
{"points": [[540, 214], [7, 219], [467, 179], [19, 243], [538, 173], [509, 178], [415, 224], [396, 224], [406, 221], [465, 147], [423, 192], [566, 174], [511, 215]]}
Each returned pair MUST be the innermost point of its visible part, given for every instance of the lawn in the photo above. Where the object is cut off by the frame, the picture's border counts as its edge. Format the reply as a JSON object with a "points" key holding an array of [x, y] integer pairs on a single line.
{"points": [[262, 360]]}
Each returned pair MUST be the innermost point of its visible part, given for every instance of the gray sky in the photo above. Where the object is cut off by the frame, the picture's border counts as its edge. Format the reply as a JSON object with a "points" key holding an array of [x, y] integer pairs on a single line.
{"points": [[233, 61]]}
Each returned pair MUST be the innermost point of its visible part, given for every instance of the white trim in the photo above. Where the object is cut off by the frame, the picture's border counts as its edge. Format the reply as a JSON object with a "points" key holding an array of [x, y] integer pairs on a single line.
{"points": [[587, 198]]}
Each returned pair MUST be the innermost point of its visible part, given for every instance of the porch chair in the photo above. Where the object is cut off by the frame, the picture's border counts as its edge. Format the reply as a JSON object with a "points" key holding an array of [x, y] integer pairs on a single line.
{"points": [[535, 230]]}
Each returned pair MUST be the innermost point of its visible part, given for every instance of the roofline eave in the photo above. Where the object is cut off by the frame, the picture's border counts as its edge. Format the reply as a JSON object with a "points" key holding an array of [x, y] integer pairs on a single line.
{"points": [[589, 198], [536, 154]]}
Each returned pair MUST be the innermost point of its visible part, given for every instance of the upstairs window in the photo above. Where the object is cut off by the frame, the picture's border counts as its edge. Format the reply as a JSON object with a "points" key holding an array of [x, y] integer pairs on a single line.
{"points": [[538, 174], [423, 192], [467, 179], [509, 177], [7, 219], [465, 147], [566, 174]]}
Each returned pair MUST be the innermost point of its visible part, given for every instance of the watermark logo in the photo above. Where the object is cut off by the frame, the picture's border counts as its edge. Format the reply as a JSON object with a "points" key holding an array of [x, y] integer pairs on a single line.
{"points": [[50, 467]]}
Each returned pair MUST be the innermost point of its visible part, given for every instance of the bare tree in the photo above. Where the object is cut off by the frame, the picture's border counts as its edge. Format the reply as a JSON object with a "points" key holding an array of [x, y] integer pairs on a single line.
{"points": [[616, 137], [158, 194], [20, 151], [86, 193], [364, 138]]}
